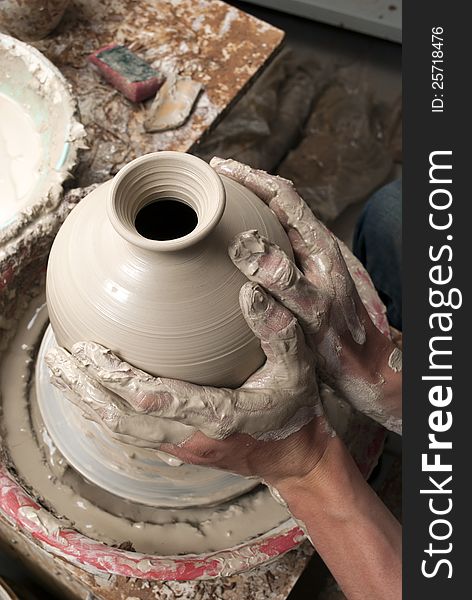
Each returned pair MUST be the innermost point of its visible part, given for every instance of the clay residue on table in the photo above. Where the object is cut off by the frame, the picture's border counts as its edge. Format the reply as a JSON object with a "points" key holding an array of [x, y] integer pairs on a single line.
{"points": [[213, 43]]}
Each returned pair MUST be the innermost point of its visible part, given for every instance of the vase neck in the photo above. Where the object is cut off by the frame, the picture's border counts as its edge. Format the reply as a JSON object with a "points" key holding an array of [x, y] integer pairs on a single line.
{"points": [[165, 201]]}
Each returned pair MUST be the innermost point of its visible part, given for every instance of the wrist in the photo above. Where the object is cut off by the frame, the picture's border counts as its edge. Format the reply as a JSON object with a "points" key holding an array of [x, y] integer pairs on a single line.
{"points": [[298, 455], [352, 530], [313, 479], [334, 489]]}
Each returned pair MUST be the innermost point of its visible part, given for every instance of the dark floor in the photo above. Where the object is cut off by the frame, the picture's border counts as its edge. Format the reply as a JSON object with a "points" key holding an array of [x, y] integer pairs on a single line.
{"points": [[378, 62]]}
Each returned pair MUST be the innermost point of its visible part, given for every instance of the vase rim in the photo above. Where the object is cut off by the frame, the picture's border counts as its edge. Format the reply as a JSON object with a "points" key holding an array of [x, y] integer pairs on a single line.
{"points": [[202, 190]]}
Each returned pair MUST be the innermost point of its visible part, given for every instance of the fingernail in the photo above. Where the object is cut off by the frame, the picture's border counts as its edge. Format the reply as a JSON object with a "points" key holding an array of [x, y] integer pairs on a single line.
{"points": [[51, 358], [83, 352], [223, 166], [259, 300], [54, 370], [56, 357], [231, 168], [79, 348], [254, 299], [246, 249], [216, 160], [94, 355]]}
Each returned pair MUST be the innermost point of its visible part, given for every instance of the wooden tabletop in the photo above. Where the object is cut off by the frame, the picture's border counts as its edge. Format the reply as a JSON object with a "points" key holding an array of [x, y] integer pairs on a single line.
{"points": [[214, 43]]}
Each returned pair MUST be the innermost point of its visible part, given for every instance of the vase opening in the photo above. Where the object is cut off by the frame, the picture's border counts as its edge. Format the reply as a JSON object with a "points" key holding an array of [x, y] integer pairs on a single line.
{"points": [[166, 201], [166, 219]]}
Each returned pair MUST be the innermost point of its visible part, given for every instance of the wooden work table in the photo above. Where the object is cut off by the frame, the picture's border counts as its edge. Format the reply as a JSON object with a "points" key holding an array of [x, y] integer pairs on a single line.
{"points": [[212, 42]]}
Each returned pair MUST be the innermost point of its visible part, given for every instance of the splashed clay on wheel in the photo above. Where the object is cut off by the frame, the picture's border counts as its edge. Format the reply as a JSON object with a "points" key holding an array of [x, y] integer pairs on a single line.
{"points": [[167, 306]]}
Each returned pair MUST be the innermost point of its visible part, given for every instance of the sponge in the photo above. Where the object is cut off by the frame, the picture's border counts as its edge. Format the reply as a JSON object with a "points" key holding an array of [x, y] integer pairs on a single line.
{"points": [[128, 73]]}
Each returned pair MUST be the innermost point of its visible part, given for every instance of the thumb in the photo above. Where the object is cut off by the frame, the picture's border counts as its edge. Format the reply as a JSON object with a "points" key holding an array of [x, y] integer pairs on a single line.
{"points": [[275, 326]]}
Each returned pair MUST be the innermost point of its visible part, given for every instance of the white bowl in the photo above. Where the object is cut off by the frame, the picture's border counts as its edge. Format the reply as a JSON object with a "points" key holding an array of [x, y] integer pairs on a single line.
{"points": [[39, 132]]}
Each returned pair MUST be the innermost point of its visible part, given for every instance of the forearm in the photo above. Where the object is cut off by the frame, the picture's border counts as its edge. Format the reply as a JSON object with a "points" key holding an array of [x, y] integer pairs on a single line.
{"points": [[354, 533]]}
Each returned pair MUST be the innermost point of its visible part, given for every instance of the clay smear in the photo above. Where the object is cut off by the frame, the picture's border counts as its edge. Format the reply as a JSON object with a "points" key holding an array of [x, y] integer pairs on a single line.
{"points": [[395, 360]]}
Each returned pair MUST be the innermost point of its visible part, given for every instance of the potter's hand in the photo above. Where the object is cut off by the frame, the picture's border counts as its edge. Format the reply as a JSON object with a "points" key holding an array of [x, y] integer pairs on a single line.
{"points": [[270, 426], [352, 354]]}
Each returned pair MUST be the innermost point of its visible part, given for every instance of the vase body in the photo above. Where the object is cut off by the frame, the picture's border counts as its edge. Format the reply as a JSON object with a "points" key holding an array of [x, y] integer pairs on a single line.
{"points": [[168, 307]]}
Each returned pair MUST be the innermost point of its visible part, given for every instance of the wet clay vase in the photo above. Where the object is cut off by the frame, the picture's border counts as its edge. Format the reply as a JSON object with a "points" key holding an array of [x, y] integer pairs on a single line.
{"points": [[141, 266]]}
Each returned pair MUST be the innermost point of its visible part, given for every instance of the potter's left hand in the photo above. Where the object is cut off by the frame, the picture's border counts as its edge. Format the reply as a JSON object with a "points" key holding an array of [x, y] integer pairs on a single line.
{"points": [[271, 427], [339, 319]]}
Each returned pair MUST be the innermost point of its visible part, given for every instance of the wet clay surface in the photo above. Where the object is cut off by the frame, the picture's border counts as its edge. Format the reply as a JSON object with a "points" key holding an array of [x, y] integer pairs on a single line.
{"points": [[215, 44]]}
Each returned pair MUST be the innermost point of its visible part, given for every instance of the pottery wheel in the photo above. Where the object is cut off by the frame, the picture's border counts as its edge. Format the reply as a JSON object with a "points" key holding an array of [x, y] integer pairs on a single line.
{"points": [[136, 474], [37, 464], [109, 518]]}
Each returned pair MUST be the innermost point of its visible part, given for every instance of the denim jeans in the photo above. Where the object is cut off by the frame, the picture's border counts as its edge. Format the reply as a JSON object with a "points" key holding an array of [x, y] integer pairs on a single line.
{"points": [[378, 245]]}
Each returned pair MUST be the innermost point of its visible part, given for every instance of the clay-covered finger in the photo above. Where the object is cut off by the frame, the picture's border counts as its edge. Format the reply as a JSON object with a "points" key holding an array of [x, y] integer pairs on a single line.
{"points": [[81, 389], [275, 191], [166, 398], [261, 183], [136, 387], [272, 323], [207, 409], [148, 431], [103, 359], [100, 405], [366, 290], [266, 264], [307, 234]]}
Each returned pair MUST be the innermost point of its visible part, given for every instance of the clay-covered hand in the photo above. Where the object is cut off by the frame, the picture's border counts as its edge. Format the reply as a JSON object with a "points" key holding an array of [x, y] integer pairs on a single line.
{"points": [[352, 354], [271, 427]]}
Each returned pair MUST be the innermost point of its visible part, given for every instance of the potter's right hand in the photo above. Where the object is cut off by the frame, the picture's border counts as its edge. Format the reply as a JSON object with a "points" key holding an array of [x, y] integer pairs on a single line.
{"points": [[272, 427], [341, 321]]}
